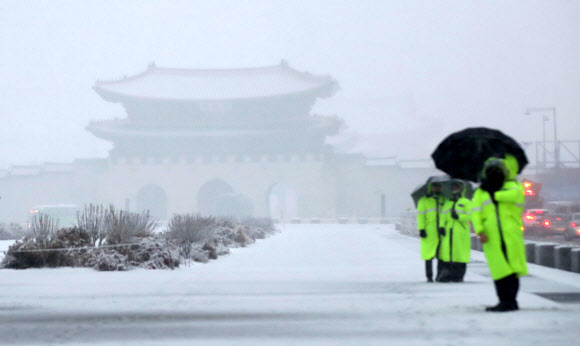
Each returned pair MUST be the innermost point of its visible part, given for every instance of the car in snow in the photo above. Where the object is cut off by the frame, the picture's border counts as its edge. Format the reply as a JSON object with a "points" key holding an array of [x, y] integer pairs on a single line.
{"points": [[573, 229], [535, 221], [555, 223]]}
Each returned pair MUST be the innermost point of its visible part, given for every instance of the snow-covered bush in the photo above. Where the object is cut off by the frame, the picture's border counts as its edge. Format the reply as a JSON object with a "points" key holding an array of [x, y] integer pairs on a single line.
{"points": [[122, 226], [154, 252], [42, 230], [198, 254], [67, 247], [93, 219], [257, 228], [111, 240], [110, 260], [241, 237], [203, 238], [188, 229]]}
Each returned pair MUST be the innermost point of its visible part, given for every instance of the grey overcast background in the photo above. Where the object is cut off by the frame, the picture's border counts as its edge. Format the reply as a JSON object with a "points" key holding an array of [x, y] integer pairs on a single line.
{"points": [[410, 71]]}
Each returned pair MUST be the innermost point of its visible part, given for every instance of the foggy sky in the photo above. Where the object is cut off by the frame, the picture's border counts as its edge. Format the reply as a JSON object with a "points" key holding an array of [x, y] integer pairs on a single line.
{"points": [[413, 71]]}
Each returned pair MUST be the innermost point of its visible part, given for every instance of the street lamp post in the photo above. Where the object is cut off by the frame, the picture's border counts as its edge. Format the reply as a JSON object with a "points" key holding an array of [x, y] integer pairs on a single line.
{"points": [[556, 145]]}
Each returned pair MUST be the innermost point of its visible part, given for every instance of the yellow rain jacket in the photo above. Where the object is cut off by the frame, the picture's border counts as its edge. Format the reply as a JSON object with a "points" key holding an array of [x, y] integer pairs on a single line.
{"points": [[455, 245], [502, 224], [429, 218]]}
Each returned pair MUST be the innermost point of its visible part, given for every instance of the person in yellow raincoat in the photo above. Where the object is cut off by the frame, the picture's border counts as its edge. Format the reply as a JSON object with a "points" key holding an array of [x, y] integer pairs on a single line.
{"points": [[455, 246], [428, 221], [496, 215]]}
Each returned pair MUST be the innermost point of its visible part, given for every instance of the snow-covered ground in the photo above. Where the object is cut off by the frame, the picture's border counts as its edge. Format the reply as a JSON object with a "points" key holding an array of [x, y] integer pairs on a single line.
{"points": [[309, 284]]}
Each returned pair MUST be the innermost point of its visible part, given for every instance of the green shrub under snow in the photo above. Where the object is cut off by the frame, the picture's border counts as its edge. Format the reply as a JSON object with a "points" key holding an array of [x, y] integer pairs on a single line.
{"points": [[203, 238], [47, 250], [108, 225], [109, 239]]}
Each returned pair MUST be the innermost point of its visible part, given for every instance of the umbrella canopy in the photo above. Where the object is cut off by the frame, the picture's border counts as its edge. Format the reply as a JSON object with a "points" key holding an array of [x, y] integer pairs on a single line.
{"points": [[462, 154], [422, 189]]}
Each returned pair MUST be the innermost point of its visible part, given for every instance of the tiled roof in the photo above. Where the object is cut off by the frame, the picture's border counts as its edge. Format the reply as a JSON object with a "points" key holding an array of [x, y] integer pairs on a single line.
{"points": [[223, 84]]}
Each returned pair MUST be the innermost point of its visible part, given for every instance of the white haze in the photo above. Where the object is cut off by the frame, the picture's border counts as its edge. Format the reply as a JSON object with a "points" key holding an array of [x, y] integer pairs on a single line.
{"points": [[410, 71]]}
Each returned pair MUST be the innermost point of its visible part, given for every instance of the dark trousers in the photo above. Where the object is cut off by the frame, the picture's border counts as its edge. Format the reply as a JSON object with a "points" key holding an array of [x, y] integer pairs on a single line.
{"points": [[460, 269], [429, 268], [451, 271], [507, 289]]}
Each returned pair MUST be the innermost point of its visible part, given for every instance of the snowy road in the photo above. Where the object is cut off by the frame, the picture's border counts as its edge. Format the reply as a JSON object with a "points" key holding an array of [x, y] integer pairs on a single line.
{"points": [[309, 284]]}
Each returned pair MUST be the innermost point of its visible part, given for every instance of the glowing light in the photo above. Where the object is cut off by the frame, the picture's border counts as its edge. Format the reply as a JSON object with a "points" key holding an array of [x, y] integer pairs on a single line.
{"points": [[547, 223]]}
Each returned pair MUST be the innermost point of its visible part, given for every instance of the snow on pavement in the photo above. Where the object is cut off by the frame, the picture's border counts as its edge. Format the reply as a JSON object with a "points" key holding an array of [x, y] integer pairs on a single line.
{"points": [[308, 284]]}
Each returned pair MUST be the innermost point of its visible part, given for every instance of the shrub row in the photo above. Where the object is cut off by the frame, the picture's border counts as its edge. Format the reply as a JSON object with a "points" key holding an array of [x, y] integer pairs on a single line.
{"points": [[110, 240]]}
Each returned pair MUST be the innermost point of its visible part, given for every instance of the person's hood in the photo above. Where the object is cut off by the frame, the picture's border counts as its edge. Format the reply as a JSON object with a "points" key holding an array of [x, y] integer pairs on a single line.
{"points": [[441, 180], [512, 166], [495, 161]]}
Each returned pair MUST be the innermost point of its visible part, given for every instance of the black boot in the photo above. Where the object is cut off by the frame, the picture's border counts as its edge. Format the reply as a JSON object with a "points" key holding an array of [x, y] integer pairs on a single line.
{"points": [[506, 289], [458, 272], [513, 286], [444, 271], [502, 307], [439, 270], [429, 270]]}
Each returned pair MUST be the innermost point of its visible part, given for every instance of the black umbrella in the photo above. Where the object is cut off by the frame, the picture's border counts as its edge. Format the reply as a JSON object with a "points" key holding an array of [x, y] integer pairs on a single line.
{"points": [[462, 154], [421, 190]]}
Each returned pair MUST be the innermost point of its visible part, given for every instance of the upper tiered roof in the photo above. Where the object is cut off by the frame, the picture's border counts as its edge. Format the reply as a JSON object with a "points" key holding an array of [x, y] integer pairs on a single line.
{"points": [[157, 83]]}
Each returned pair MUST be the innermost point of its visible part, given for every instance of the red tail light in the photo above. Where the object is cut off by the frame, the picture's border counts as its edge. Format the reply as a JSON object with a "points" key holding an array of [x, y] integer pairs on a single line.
{"points": [[558, 218], [530, 217], [573, 224], [547, 223]]}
